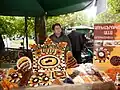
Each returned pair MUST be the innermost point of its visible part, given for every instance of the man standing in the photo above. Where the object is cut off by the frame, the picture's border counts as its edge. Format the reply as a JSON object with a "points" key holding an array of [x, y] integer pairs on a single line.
{"points": [[59, 36], [77, 44]]}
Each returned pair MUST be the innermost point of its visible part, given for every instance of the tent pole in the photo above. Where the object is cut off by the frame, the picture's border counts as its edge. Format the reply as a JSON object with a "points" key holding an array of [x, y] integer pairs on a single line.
{"points": [[26, 33], [35, 29], [40, 29]]}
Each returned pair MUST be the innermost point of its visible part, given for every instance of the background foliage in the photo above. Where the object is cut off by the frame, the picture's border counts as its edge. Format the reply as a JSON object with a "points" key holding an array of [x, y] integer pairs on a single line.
{"points": [[14, 26]]}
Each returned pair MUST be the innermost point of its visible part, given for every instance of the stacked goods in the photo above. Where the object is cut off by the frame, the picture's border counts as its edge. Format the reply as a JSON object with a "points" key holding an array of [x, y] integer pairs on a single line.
{"points": [[49, 62], [47, 67], [2, 74], [107, 48], [87, 73], [6, 85], [112, 72], [57, 82], [50, 66], [70, 60]]}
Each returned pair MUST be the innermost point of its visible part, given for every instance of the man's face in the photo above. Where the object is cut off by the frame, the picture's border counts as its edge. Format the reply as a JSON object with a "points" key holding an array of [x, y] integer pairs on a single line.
{"points": [[57, 29]]}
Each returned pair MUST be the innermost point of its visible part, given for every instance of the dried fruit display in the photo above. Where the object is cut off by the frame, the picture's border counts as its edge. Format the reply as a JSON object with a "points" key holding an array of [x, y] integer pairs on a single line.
{"points": [[101, 54]]}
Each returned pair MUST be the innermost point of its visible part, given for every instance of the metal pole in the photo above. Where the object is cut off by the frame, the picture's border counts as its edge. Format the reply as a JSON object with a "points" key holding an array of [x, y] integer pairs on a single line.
{"points": [[35, 30], [26, 33], [23, 45]]}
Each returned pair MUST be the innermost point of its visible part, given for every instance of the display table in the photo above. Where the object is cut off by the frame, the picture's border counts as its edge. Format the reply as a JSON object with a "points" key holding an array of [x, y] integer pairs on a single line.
{"points": [[96, 86], [62, 87], [103, 86]]}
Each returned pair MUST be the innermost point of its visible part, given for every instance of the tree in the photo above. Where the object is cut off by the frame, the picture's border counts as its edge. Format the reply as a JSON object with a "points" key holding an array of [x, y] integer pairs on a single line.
{"points": [[7, 25], [112, 15], [107, 17], [114, 6], [67, 20], [20, 26], [12, 26]]}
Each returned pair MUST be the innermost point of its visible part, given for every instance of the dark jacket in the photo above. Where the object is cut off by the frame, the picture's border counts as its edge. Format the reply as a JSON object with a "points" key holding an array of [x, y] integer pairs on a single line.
{"points": [[62, 38], [76, 41], [2, 45]]}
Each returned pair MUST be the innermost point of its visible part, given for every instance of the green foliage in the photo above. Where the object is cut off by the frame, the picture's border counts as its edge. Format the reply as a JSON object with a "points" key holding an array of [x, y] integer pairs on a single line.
{"points": [[15, 25], [114, 6], [20, 26], [112, 15], [107, 17], [7, 25], [12, 26], [72, 19]]}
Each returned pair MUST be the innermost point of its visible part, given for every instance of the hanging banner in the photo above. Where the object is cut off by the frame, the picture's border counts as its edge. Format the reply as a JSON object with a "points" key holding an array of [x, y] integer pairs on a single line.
{"points": [[107, 46]]}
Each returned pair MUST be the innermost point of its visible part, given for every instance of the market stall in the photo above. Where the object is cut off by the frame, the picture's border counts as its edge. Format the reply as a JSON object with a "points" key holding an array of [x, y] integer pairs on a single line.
{"points": [[54, 68], [107, 49], [50, 69]]}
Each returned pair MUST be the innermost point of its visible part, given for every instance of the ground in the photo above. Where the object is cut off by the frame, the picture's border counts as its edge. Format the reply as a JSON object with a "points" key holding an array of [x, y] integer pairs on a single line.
{"points": [[17, 43]]}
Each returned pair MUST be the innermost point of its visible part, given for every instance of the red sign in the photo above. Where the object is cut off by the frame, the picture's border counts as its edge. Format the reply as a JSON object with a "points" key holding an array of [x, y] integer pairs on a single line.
{"points": [[104, 31]]}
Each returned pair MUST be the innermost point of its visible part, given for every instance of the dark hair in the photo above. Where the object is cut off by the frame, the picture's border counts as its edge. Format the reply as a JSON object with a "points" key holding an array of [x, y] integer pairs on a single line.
{"points": [[56, 24]]}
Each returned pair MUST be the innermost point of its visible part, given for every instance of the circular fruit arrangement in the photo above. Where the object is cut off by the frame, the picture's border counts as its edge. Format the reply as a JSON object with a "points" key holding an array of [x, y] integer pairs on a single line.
{"points": [[115, 60], [101, 54], [24, 64]]}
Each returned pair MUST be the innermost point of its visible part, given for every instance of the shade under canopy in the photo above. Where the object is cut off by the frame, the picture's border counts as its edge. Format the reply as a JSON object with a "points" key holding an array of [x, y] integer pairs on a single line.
{"points": [[40, 7]]}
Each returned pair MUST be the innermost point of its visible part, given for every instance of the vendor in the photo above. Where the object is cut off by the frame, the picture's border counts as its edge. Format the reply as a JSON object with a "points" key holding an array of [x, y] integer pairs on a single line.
{"points": [[59, 36]]}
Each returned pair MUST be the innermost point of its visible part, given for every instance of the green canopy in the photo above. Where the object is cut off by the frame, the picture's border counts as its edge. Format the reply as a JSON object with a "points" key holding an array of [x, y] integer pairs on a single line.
{"points": [[41, 7], [20, 8]]}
